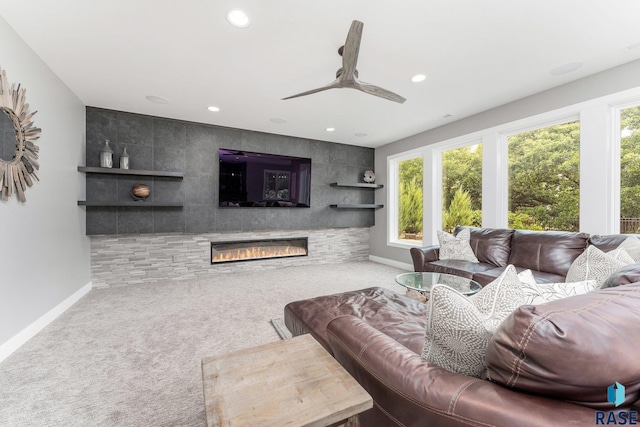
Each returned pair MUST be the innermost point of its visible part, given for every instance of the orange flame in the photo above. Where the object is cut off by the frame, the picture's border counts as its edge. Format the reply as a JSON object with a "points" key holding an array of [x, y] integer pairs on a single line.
{"points": [[257, 253]]}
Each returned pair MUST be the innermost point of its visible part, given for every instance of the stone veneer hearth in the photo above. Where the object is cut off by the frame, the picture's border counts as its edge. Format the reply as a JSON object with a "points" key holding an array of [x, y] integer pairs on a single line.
{"points": [[121, 260]]}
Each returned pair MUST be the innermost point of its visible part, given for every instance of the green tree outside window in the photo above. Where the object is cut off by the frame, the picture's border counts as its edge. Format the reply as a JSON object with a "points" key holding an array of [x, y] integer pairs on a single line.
{"points": [[410, 199]]}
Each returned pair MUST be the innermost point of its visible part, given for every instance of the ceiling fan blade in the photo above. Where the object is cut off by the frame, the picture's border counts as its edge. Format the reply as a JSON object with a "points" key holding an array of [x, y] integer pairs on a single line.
{"points": [[334, 84], [378, 91], [351, 50]]}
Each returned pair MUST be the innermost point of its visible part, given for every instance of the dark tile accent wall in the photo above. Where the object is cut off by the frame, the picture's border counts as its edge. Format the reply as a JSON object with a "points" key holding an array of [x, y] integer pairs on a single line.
{"points": [[171, 145]]}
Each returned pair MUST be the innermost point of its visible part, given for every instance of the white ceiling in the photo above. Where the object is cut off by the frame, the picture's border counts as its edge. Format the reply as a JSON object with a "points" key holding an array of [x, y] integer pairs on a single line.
{"points": [[477, 54]]}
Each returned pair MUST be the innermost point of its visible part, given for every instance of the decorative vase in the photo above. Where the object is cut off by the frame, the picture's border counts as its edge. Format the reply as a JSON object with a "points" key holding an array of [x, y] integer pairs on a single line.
{"points": [[106, 155], [124, 159], [369, 177], [140, 192]]}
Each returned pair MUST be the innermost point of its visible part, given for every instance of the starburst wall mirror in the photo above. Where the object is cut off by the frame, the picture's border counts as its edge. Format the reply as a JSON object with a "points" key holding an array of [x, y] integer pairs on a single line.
{"points": [[18, 136]]}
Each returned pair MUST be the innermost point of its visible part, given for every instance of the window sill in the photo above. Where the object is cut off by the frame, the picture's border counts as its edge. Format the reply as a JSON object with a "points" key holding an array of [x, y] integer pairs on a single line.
{"points": [[405, 243]]}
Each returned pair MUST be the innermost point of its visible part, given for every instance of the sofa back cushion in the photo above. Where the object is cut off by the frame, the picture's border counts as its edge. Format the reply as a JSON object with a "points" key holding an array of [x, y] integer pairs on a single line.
{"points": [[623, 276], [490, 245], [608, 242], [548, 251], [571, 349]]}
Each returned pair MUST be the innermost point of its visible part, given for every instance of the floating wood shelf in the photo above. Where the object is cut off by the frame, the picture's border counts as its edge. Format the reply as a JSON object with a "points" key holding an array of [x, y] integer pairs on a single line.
{"points": [[133, 204], [131, 172], [137, 172], [356, 185], [357, 206]]}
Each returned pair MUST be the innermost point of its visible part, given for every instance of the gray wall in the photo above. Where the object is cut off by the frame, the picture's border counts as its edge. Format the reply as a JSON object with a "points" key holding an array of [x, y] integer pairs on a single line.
{"points": [[604, 83], [171, 145], [44, 253]]}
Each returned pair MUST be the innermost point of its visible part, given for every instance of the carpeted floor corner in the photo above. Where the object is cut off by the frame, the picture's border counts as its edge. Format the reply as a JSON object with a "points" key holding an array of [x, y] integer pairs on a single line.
{"points": [[131, 356]]}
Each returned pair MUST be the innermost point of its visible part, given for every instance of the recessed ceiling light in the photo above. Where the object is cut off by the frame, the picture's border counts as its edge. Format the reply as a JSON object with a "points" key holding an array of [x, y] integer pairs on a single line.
{"points": [[419, 78], [278, 120], [238, 18], [330, 129], [213, 108], [157, 99], [361, 134], [566, 68]]}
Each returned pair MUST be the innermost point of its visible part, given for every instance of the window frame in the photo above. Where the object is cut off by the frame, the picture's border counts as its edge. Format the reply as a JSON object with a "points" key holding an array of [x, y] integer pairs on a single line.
{"points": [[617, 153], [600, 141], [438, 182], [393, 210], [543, 125]]}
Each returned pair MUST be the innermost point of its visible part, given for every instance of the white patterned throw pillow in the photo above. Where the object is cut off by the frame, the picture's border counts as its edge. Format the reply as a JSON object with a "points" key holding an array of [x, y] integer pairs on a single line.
{"points": [[621, 254], [459, 328], [526, 277], [632, 246], [593, 264], [539, 293], [456, 247]]}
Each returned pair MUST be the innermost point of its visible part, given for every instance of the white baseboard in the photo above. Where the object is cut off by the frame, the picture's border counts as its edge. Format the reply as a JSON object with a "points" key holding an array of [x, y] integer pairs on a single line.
{"points": [[392, 263], [30, 331]]}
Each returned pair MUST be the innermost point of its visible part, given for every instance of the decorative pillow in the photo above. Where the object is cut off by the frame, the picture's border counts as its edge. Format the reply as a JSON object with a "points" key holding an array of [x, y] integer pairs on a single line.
{"points": [[632, 246], [621, 254], [596, 265], [571, 349], [456, 247], [526, 277], [539, 293], [459, 328]]}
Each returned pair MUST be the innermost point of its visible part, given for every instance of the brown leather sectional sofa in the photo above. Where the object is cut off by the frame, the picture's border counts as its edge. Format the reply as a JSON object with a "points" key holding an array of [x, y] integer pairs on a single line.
{"points": [[575, 347], [547, 254]]}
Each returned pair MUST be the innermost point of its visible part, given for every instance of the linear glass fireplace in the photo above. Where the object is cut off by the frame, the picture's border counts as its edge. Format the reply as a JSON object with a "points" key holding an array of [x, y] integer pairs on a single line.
{"points": [[249, 250]]}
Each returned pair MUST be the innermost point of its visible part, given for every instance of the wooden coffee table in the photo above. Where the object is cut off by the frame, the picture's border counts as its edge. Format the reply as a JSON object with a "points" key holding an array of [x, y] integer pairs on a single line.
{"points": [[295, 382]]}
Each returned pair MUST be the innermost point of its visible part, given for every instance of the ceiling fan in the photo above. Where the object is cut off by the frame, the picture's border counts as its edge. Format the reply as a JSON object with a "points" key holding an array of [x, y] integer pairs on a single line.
{"points": [[347, 76]]}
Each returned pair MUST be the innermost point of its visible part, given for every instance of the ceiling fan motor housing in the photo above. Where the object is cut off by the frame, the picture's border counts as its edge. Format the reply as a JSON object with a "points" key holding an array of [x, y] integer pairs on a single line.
{"points": [[339, 73]]}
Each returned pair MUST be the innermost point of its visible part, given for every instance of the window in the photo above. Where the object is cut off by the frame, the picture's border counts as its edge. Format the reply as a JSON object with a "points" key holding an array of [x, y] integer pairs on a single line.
{"points": [[462, 187], [410, 199], [544, 178], [630, 170], [531, 172], [405, 199]]}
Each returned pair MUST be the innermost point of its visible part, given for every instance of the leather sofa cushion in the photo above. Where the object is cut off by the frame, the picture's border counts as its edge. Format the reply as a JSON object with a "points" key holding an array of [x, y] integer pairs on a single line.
{"points": [[623, 276], [465, 269], [486, 277], [491, 245], [409, 391], [608, 242], [395, 315], [548, 251], [546, 349]]}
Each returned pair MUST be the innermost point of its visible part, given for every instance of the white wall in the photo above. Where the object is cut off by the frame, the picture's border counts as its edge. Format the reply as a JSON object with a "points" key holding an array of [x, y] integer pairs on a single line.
{"points": [[608, 82], [44, 253]]}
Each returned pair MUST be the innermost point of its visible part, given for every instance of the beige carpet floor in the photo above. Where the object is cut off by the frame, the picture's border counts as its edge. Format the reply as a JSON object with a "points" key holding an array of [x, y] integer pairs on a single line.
{"points": [[130, 356]]}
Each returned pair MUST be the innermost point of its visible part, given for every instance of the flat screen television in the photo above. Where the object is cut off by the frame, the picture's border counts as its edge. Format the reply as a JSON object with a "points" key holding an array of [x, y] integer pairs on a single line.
{"points": [[249, 179]]}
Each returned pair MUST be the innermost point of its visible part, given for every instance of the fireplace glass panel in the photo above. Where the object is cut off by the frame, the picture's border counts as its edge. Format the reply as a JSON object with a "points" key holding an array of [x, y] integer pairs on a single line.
{"points": [[249, 250]]}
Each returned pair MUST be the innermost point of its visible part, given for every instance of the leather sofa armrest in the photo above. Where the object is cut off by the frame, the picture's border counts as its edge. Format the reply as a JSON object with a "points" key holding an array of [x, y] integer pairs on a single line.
{"points": [[421, 256], [408, 390]]}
